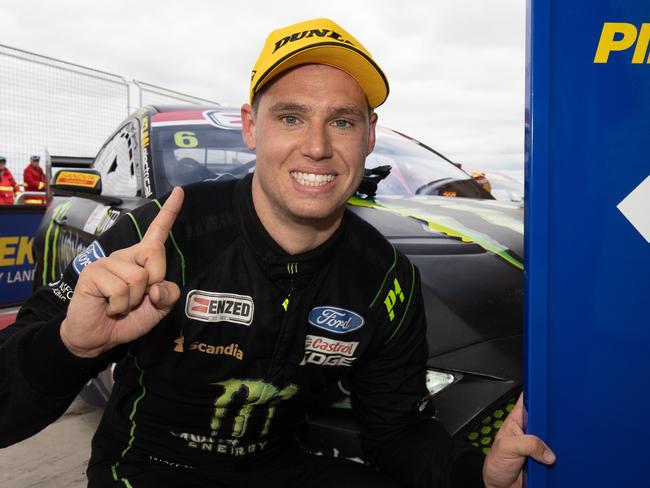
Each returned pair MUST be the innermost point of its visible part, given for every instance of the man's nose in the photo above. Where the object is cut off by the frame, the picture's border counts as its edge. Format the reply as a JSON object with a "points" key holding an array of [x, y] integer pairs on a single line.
{"points": [[317, 144]]}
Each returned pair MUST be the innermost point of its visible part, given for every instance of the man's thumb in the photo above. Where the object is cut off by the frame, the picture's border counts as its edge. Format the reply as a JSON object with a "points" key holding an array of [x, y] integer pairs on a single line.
{"points": [[164, 295]]}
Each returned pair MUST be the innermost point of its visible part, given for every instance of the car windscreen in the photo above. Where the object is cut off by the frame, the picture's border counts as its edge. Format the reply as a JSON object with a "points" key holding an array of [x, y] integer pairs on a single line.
{"points": [[185, 154], [191, 153], [417, 170]]}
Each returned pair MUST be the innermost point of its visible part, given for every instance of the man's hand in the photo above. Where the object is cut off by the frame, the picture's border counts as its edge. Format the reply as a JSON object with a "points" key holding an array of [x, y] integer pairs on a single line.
{"points": [[504, 462], [122, 297]]}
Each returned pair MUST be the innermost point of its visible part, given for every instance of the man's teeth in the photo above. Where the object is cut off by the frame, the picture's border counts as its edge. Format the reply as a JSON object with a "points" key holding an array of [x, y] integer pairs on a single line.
{"points": [[311, 179]]}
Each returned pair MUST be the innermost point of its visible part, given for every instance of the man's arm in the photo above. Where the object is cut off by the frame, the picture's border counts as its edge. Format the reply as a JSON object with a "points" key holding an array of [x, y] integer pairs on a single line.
{"points": [[399, 432], [54, 348], [12, 181], [28, 178], [391, 401], [39, 377]]}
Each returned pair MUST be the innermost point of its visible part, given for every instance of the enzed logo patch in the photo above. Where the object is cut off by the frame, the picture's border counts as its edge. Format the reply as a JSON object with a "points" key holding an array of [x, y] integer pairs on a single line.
{"points": [[92, 253], [335, 319], [209, 306]]}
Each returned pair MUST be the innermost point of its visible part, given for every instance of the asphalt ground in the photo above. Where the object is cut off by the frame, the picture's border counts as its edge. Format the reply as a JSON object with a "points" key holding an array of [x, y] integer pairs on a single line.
{"points": [[57, 456]]}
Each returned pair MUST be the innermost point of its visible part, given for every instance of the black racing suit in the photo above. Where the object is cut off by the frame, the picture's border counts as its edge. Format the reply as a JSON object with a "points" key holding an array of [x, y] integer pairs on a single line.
{"points": [[225, 380]]}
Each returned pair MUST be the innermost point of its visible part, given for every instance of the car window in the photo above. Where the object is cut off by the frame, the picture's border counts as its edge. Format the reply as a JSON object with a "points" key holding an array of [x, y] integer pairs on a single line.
{"points": [[116, 162], [191, 153]]}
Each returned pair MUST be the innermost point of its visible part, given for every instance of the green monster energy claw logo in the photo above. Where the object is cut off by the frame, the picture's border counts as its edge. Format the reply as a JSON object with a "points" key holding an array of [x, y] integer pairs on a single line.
{"points": [[247, 396]]}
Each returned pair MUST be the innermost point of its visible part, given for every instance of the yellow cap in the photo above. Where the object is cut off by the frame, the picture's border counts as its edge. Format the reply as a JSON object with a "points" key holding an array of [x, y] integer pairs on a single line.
{"points": [[319, 41]]}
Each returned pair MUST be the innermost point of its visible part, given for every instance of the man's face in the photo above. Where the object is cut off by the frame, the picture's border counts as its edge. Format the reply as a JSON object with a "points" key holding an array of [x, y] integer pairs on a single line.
{"points": [[35, 162], [312, 132]]}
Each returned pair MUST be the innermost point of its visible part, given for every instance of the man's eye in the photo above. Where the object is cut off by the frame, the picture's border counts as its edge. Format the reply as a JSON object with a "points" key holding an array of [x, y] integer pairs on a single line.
{"points": [[290, 119], [342, 124]]}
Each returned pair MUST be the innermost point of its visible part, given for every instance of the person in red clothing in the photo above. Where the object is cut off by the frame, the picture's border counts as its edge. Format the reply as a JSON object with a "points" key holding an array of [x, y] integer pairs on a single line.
{"points": [[34, 179], [8, 185]]}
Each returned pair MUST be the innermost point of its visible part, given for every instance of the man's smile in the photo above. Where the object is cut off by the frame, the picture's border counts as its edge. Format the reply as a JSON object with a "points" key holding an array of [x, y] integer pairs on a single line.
{"points": [[312, 179]]}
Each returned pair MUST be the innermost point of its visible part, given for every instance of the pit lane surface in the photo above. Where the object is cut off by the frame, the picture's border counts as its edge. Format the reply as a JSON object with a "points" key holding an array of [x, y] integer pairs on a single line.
{"points": [[55, 457]]}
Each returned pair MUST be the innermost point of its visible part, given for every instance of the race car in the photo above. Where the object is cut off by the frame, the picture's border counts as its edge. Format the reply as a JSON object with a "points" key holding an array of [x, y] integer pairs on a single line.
{"points": [[467, 246]]}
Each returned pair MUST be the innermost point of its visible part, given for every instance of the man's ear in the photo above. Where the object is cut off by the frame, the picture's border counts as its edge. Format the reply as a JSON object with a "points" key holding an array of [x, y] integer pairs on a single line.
{"points": [[371, 135], [248, 126]]}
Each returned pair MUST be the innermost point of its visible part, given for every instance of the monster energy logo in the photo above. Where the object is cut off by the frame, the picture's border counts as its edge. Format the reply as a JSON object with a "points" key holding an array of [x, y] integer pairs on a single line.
{"points": [[241, 399]]}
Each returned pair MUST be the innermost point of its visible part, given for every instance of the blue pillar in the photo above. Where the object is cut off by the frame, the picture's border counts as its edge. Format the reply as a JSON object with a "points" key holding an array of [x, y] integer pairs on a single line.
{"points": [[588, 240]]}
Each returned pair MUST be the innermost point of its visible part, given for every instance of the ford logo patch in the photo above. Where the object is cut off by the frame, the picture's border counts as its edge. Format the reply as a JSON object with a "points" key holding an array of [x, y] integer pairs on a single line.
{"points": [[92, 253], [334, 319]]}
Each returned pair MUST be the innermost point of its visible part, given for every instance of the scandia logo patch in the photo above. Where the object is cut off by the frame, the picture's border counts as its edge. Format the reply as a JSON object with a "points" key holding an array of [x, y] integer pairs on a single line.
{"points": [[209, 306]]}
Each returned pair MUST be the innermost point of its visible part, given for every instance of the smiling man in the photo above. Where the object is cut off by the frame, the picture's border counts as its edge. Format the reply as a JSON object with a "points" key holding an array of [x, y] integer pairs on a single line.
{"points": [[234, 305]]}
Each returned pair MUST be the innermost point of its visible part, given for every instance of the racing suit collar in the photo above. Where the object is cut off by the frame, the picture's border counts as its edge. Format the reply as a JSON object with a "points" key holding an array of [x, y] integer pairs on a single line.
{"points": [[274, 260]]}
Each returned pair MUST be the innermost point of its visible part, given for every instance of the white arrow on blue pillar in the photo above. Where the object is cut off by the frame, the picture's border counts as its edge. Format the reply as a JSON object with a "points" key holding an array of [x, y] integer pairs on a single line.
{"points": [[636, 208]]}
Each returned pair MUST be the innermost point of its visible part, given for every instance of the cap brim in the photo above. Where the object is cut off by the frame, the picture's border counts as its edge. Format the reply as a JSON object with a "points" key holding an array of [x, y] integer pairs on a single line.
{"points": [[342, 56]]}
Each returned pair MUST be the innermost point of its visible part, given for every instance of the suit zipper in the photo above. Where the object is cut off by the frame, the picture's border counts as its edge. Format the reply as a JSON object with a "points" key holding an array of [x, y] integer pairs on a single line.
{"points": [[285, 323]]}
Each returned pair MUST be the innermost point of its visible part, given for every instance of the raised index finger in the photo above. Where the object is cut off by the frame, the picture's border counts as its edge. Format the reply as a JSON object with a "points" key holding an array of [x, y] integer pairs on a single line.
{"points": [[160, 226]]}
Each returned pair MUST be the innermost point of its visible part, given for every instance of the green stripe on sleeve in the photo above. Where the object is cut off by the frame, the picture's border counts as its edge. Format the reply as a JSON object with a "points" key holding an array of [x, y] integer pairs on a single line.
{"points": [[134, 409], [46, 251], [135, 223], [54, 248], [381, 287]]}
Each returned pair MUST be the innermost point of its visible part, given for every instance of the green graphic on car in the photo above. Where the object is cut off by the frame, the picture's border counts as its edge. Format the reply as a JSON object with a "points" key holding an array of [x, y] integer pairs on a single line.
{"points": [[448, 225]]}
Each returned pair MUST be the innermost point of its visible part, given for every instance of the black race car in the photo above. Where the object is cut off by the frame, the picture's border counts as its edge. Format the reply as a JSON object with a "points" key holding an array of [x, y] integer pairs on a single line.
{"points": [[467, 246]]}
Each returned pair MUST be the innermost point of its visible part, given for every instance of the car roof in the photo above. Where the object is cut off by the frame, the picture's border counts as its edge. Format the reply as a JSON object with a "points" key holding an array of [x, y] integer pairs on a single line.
{"points": [[175, 108]]}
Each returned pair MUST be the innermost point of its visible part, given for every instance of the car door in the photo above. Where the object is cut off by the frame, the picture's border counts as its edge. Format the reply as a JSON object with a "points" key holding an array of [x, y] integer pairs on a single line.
{"points": [[73, 222]]}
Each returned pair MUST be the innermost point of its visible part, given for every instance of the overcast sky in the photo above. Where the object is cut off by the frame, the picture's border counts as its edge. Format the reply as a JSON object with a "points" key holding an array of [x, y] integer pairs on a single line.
{"points": [[456, 67]]}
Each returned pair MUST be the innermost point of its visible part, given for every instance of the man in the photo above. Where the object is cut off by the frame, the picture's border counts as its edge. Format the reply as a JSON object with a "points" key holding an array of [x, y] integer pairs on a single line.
{"points": [[8, 186], [222, 303], [34, 179]]}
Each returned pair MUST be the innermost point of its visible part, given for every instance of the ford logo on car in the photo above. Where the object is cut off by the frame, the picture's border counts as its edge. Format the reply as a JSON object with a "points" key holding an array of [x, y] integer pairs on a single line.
{"points": [[335, 319]]}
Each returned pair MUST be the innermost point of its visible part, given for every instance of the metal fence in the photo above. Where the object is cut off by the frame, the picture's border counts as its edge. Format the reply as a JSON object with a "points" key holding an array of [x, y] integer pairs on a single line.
{"points": [[154, 95], [65, 108], [48, 103]]}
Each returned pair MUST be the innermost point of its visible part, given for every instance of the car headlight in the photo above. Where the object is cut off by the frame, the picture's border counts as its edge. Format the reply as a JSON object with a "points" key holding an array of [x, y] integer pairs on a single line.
{"points": [[439, 380], [436, 382]]}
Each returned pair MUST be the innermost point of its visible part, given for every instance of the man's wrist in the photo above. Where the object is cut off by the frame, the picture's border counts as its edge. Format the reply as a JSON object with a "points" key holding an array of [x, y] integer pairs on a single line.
{"points": [[74, 350], [56, 370]]}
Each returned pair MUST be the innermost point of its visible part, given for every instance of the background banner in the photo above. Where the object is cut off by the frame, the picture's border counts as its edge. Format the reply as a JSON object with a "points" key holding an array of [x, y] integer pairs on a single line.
{"points": [[588, 239], [18, 226]]}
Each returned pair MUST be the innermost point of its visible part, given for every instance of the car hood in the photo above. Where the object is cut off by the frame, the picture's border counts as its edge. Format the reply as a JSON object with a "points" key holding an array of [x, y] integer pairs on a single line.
{"points": [[470, 257], [496, 227]]}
